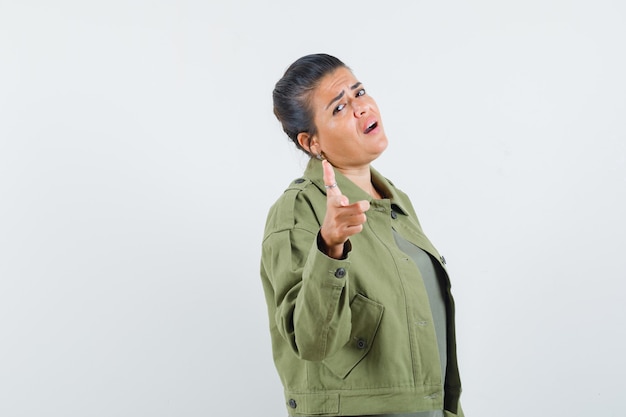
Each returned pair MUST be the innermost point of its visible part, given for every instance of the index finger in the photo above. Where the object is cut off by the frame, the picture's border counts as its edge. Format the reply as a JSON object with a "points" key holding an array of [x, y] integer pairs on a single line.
{"points": [[329, 180]]}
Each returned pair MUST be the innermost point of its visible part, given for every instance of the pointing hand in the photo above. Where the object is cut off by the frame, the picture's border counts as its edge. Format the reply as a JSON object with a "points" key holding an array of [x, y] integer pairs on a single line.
{"points": [[342, 219]]}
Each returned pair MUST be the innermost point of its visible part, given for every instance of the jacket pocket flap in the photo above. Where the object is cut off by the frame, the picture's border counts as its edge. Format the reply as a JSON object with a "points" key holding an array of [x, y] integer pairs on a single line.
{"points": [[366, 316]]}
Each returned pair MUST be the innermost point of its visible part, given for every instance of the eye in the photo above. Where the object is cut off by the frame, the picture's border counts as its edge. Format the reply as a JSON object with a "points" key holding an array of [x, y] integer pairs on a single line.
{"points": [[361, 92], [338, 108]]}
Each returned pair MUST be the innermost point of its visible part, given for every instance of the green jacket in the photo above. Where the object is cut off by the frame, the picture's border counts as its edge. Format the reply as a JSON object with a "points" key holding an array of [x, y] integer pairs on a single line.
{"points": [[353, 336]]}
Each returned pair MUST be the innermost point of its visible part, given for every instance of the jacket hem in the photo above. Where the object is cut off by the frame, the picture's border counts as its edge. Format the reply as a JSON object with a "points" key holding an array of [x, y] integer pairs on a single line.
{"points": [[368, 402]]}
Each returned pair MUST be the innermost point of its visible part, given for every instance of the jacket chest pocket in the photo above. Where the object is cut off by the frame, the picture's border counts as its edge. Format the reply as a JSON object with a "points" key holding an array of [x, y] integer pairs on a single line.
{"points": [[366, 317]]}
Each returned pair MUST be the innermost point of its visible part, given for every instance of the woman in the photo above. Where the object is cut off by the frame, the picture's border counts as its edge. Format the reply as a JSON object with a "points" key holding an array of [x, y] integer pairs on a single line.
{"points": [[360, 310]]}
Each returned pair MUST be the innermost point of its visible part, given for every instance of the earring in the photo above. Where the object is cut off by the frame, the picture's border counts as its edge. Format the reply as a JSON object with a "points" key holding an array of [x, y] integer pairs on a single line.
{"points": [[319, 156]]}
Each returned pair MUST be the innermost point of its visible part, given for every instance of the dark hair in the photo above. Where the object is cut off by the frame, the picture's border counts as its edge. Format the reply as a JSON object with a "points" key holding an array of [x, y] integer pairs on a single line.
{"points": [[292, 93]]}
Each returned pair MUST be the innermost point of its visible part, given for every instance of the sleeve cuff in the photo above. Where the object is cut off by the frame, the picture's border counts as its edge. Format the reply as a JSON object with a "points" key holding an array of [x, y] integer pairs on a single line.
{"points": [[347, 246]]}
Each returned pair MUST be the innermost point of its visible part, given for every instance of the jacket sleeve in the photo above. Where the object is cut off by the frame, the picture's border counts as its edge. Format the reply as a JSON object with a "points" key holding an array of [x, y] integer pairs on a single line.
{"points": [[306, 292]]}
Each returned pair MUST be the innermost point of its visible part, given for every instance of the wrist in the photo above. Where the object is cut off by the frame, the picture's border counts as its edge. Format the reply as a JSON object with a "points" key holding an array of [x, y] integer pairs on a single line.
{"points": [[333, 251]]}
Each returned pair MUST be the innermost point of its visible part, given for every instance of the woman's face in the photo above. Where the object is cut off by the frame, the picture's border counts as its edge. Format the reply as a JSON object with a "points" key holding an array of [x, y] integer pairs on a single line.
{"points": [[350, 132]]}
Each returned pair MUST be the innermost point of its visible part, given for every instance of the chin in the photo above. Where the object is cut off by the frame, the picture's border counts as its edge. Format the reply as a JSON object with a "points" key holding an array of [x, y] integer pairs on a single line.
{"points": [[383, 143], [378, 152]]}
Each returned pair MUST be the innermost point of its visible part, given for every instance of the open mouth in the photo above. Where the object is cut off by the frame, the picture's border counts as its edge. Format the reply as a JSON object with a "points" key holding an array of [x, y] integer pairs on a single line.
{"points": [[371, 127]]}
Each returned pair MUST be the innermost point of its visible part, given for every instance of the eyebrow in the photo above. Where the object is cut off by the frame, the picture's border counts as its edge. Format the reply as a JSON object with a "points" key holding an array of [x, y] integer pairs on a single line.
{"points": [[354, 87]]}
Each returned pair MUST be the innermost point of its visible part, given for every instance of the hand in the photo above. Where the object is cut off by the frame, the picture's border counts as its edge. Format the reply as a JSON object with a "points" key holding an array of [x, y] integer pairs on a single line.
{"points": [[342, 219]]}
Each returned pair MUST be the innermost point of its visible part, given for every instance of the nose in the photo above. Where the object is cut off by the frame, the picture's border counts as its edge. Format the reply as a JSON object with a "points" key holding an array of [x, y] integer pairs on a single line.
{"points": [[360, 109]]}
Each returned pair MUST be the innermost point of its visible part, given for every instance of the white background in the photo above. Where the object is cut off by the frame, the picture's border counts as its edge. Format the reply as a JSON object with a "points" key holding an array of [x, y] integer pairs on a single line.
{"points": [[139, 156]]}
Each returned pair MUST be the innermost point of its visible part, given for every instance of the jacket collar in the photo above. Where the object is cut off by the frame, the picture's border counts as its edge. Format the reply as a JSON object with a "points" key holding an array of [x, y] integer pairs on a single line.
{"points": [[354, 193]]}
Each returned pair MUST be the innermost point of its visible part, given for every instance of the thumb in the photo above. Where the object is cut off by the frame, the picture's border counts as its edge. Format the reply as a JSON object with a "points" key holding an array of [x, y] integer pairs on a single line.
{"points": [[332, 190]]}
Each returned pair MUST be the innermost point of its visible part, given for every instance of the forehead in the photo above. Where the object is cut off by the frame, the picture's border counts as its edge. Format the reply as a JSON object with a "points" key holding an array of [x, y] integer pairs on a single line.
{"points": [[335, 82]]}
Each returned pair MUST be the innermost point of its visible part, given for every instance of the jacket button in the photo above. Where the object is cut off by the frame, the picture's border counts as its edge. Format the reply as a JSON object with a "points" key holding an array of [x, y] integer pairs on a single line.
{"points": [[299, 181], [361, 344], [394, 215], [340, 273], [292, 403]]}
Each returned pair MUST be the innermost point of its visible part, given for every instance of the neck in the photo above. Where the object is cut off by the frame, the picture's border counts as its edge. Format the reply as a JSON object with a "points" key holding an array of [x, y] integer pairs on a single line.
{"points": [[362, 177]]}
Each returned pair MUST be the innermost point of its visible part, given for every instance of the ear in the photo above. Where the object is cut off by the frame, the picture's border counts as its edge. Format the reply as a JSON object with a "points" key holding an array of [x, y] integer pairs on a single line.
{"points": [[308, 143]]}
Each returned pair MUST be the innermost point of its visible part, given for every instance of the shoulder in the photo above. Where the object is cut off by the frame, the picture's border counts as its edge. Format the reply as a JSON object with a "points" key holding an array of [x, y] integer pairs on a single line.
{"points": [[302, 205]]}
